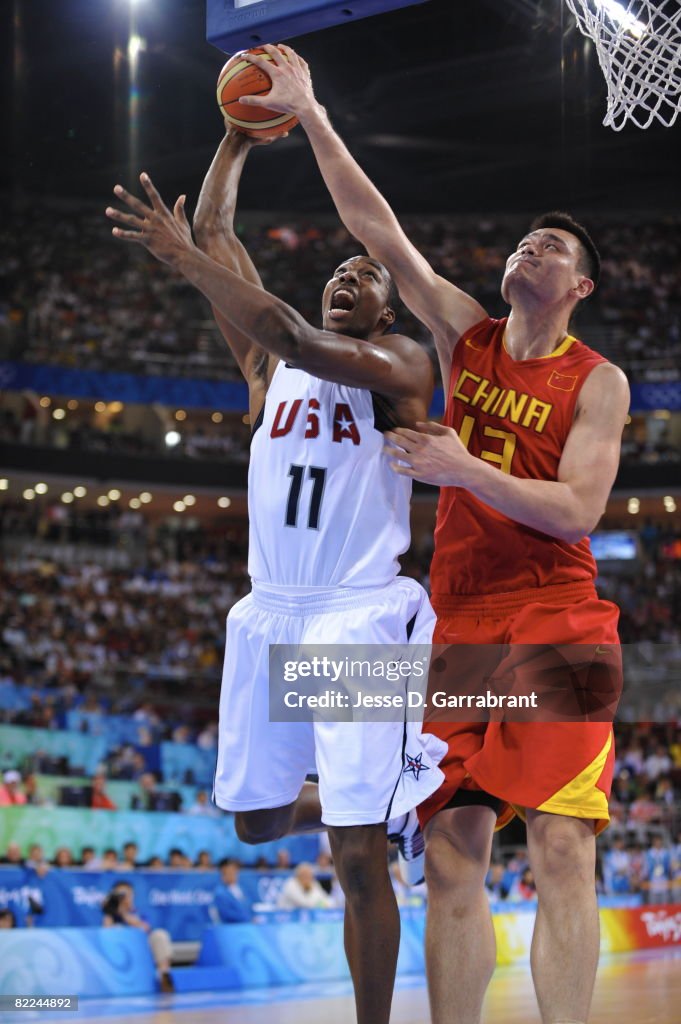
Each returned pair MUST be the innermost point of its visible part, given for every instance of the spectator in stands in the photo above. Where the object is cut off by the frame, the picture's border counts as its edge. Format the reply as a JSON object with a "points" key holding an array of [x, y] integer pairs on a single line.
{"points": [[63, 858], [119, 909], [204, 861], [657, 875], [109, 861], [100, 799], [283, 859], [130, 856], [208, 737], [178, 859], [637, 866], [31, 792], [658, 763], [302, 891], [36, 860], [87, 857], [10, 794], [231, 904], [153, 799], [202, 806], [523, 887], [155, 863], [12, 856], [7, 918], [495, 881], [617, 868]]}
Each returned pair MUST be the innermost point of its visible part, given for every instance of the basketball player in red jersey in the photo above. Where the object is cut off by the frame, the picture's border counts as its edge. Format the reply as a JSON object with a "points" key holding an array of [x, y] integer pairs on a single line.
{"points": [[526, 458]]}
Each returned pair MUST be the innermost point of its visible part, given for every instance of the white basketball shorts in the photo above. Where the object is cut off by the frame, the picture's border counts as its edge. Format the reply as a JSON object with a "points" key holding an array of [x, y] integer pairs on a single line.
{"points": [[368, 771]]}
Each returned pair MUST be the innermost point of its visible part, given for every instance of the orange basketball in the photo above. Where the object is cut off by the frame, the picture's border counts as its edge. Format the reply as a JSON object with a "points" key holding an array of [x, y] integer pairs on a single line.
{"points": [[244, 79]]}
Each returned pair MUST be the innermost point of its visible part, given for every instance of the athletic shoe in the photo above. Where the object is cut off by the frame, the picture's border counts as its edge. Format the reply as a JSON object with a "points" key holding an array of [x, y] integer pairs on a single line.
{"points": [[411, 848]]}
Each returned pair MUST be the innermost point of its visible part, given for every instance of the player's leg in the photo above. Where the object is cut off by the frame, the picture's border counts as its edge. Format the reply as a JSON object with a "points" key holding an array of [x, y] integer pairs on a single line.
{"points": [[372, 920], [460, 942], [566, 934], [267, 824]]}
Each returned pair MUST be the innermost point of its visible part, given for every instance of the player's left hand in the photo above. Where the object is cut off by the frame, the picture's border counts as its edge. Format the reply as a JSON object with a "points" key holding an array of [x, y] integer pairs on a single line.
{"points": [[291, 91], [166, 235], [434, 454]]}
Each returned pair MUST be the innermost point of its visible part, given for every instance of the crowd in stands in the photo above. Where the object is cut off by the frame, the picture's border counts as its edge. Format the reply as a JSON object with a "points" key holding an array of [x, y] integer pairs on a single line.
{"points": [[108, 653], [121, 310], [88, 432]]}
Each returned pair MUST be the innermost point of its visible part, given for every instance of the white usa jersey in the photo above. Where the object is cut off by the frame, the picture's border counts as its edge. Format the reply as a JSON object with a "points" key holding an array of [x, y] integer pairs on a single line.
{"points": [[325, 508]]}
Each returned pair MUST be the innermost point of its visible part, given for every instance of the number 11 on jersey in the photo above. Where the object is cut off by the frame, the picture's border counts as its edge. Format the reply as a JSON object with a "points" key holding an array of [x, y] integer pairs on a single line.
{"points": [[318, 478]]}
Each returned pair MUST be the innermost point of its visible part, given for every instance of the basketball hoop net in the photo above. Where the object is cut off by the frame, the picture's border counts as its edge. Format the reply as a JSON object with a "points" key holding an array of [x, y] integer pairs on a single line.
{"points": [[639, 49]]}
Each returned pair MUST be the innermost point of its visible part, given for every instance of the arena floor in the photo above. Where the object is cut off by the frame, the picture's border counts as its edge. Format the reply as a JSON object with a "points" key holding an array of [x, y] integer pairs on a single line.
{"points": [[631, 988]]}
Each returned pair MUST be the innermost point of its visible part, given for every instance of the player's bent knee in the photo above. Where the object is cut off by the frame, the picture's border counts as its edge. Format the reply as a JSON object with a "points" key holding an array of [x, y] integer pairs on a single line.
{"points": [[254, 827]]}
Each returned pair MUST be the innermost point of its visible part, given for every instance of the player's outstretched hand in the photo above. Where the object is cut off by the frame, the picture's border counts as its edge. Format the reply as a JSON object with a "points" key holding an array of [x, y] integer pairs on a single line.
{"points": [[166, 235], [434, 454], [291, 91]]}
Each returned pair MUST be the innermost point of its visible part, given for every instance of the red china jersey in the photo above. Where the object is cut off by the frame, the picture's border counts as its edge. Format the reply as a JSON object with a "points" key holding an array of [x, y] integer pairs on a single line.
{"points": [[515, 415]]}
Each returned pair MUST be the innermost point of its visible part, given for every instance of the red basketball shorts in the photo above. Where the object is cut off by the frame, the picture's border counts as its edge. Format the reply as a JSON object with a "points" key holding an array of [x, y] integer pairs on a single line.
{"points": [[563, 767]]}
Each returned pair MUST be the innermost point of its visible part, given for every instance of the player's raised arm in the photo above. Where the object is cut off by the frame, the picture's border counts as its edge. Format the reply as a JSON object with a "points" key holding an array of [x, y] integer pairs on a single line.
{"points": [[401, 370], [445, 309], [215, 235]]}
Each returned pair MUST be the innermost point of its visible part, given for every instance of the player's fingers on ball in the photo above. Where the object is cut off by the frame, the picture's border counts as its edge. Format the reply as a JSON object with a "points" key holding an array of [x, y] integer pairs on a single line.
{"points": [[124, 218], [279, 55], [260, 62], [253, 101]]}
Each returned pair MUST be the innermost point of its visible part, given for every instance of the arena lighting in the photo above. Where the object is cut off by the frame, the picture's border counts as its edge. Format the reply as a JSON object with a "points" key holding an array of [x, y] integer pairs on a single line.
{"points": [[103, 501], [179, 506], [72, 404], [136, 45], [29, 494], [217, 417], [114, 494], [246, 420], [115, 407], [189, 499], [224, 502], [100, 406], [135, 503], [42, 489], [67, 497], [58, 414], [4, 484], [145, 497], [80, 491], [45, 401], [622, 17], [669, 503], [180, 415], [172, 438], [633, 506]]}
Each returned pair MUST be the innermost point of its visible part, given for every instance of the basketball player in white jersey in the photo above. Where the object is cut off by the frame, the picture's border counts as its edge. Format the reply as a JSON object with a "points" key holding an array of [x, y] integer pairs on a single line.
{"points": [[328, 521]]}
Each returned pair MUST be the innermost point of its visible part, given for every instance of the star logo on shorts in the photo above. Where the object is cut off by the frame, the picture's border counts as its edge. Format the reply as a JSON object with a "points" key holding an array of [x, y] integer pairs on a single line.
{"points": [[415, 766]]}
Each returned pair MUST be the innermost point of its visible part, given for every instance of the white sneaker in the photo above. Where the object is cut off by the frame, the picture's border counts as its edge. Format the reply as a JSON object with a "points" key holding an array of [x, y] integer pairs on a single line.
{"points": [[411, 847]]}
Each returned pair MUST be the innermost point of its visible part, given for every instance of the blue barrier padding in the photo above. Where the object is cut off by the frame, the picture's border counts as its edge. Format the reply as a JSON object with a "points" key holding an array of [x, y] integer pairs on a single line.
{"points": [[69, 961], [180, 901]]}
